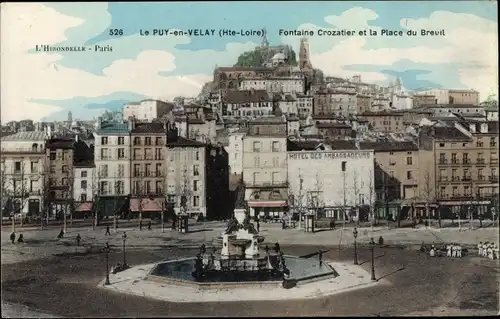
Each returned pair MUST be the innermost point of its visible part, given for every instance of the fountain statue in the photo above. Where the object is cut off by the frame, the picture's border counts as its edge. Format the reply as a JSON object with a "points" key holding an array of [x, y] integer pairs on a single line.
{"points": [[240, 254]]}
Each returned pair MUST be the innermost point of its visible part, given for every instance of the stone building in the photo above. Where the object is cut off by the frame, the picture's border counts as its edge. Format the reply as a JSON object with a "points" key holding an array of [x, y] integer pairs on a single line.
{"points": [[284, 85], [147, 110], [22, 168], [423, 99], [197, 177], [332, 102], [249, 103], [463, 97], [265, 166], [384, 121]]}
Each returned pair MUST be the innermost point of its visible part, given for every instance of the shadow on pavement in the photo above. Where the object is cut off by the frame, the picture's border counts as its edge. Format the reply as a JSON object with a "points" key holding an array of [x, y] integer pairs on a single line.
{"points": [[376, 257], [314, 254], [392, 273], [200, 230]]}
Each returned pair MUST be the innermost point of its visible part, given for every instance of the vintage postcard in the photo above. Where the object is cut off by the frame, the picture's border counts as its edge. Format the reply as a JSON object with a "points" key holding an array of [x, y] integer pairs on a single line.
{"points": [[249, 158]]}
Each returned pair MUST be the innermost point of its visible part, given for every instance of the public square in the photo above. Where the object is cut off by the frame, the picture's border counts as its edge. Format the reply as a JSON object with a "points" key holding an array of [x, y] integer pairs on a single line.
{"points": [[56, 277]]}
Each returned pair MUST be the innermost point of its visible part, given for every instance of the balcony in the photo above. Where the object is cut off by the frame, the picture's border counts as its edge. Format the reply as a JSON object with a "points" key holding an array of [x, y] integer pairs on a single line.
{"points": [[480, 161], [456, 196], [255, 184], [493, 178], [443, 161], [481, 178], [493, 144], [455, 178], [455, 161], [443, 178], [466, 178], [493, 160], [466, 161]]}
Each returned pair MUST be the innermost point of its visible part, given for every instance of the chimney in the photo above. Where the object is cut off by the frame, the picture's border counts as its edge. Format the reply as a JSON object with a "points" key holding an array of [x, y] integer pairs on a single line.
{"points": [[131, 123]]}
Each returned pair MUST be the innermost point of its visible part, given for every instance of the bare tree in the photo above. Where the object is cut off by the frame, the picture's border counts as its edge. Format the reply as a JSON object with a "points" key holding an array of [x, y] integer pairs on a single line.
{"points": [[371, 196], [428, 192], [298, 199], [68, 197], [344, 197], [47, 195], [141, 195], [315, 201], [116, 203], [164, 200], [97, 190], [20, 191], [357, 186], [186, 191]]}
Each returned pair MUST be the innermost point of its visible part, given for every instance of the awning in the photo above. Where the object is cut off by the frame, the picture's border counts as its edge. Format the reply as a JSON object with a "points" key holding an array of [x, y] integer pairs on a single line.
{"points": [[84, 207], [274, 203], [146, 204]]}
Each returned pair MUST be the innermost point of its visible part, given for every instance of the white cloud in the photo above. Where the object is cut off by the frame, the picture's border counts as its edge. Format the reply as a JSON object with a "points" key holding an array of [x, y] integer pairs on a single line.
{"points": [[469, 39]]}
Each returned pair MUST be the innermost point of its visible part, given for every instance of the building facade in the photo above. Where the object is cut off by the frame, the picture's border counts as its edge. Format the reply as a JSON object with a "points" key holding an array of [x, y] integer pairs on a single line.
{"points": [[147, 110], [331, 183], [463, 97], [286, 85], [235, 152], [22, 173], [332, 102], [265, 166], [249, 103], [384, 121]]}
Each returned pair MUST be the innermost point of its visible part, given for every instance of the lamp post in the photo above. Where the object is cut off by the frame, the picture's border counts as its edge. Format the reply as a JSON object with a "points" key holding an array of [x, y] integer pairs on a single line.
{"points": [[106, 249], [355, 234], [124, 238], [372, 244]]}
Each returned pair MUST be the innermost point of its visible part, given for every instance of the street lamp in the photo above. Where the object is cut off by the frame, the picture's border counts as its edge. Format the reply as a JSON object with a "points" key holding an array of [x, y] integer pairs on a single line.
{"points": [[106, 249], [355, 234], [124, 238], [372, 244]]}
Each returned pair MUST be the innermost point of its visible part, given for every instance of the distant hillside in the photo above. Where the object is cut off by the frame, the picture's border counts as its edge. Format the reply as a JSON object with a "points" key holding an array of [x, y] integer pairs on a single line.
{"points": [[258, 56]]}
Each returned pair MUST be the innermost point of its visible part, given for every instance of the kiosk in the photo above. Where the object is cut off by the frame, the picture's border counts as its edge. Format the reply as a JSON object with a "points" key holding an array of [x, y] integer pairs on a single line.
{"points": [[310, 220], [182, 223]]}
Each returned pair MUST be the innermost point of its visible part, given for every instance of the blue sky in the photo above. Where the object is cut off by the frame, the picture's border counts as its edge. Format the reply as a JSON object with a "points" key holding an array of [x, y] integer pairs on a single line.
{"points": [[190, 61]]}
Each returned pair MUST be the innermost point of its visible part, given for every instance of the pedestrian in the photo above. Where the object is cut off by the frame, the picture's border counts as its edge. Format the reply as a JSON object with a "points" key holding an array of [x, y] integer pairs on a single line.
{"points": [[140, 225], [495, 252], [320, 256], [258, 226], [380, 240], [484, 250], [480, 248], [20, 239], [459, 251], [85, 216], [61, 234], [107, 231], [149, 225], [432, 253], [331, 224], [277, 247], [78, 239], [283, 225], [490, 251], [455, 250], [13, 237], [448, 250]]}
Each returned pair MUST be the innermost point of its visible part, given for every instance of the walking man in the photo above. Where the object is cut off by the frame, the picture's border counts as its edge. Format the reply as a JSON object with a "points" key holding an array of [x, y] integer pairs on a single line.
{"points": [[149, 225], [78, 238], [12, 237], [258, 225], [140, 225], [480, 248], [320, 256], [107, 231]]}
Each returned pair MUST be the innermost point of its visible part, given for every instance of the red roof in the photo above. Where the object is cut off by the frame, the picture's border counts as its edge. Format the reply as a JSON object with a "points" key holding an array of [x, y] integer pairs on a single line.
{"points": [[146, 204]]}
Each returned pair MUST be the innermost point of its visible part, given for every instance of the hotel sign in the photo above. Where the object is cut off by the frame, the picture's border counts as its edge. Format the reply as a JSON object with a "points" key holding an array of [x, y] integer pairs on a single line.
{"points": [[327, 155]]}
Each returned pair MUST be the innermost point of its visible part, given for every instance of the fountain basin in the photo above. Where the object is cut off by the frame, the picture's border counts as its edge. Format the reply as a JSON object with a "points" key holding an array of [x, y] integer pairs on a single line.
{"points": [[180, 272]]}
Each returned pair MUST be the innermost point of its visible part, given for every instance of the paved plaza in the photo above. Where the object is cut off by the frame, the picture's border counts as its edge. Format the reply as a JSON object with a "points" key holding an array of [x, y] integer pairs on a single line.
{"points": [[54, 276]]}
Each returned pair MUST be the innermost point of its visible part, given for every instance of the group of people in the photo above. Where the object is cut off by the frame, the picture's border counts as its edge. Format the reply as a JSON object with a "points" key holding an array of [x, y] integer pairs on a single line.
{"points": [[488, 250], [452, 250], [13, 238]]}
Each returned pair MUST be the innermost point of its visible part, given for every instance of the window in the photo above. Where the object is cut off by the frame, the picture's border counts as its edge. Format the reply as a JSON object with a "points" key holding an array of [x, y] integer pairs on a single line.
{"points": [[34, 167], [137, 187], [121, 153], [17, 167], [83, 184], [158, 154], [121, 170], [52, 155], [104, 153], [52, 168], [64, 155], [83, 174], [195, 185], [480, 174], [256, 147], [467, 191], [171, 199], [137, 170], [119, 188], [275, 177], [196, 201], [256, 178], [148, 169], [409, 161], [158, 169], [441, 144], [148, 187], [137, 141], [159, 189], [158, 141], [455, 191], [454, 158], [33, 186], [409, 175], [344, 164], [148, 153], [276, 146], [493, 142], [196, 170], [64, 181], [65, 168], [104, 171], [256, 161], [137, 154], [197, 156], [83, 197], [466, 158], [104, 140], [276, 161], [121, 140], [147, 141]]}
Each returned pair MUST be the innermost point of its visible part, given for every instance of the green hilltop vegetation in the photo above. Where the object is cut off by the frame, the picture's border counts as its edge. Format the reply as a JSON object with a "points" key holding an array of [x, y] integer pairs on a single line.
{"points": [[258, 56]]}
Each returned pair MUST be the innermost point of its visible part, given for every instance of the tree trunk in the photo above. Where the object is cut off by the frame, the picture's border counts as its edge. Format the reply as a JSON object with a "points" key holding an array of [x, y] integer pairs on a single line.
{"points": [[64, 220], [14, 223]]}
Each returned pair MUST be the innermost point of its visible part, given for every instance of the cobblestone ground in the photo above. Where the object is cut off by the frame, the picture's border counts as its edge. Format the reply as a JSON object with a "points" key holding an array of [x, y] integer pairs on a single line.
{"points": [[56, 277]]}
